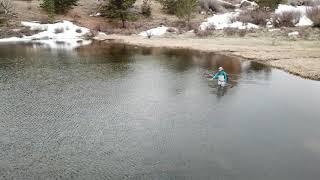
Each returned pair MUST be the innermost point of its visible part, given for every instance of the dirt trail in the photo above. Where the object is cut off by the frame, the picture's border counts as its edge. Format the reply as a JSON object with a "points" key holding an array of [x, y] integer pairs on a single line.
{"points": [[297, 57]]}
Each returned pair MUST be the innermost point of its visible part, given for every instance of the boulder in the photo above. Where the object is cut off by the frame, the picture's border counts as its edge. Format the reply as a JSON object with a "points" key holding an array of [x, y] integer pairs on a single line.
{"points": [[216, 5], [248, 4]]}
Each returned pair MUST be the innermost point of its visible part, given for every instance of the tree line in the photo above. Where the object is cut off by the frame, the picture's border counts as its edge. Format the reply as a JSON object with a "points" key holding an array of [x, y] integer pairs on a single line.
{"points": [[122, 9]]}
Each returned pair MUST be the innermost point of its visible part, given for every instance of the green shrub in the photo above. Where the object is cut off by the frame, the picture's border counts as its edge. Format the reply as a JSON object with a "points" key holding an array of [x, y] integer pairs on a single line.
{"points": [[58, 6], [119, 9], [272, 4], [146, 8]]}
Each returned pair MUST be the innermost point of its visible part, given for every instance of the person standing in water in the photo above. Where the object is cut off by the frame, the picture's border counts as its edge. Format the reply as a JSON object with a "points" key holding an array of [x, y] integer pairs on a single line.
{"points": [[222, 77]]}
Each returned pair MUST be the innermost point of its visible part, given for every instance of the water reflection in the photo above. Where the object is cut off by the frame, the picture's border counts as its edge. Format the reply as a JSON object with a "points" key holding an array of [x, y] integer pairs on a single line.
{"points": [[109, 111], [123, 62]]}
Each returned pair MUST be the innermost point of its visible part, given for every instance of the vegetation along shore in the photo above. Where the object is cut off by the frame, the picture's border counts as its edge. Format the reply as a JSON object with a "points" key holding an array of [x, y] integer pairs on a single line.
{"points": [[282, 34]]}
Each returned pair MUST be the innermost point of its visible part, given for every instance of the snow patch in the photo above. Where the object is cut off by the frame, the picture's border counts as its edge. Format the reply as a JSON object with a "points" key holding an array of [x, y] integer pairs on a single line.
{"points": [[222, 21], [95, 15], [159, 31], [63, 34], [304, 20], [249, 4], [272, 30], [288, 8], [295, 33]]}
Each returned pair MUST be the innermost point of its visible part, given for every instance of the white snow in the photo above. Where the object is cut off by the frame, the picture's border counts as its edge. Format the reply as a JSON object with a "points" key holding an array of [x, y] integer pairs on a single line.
{"points": [[226, 20], [252, 3], [269, 23], [295, 33], [241, 25], [159, 31], [225, 2], [35, 26], [219, 21], [304, 20], [222, 21], [272, 30], [95, 15], [288, 8], [101, 36], [63, 34]]}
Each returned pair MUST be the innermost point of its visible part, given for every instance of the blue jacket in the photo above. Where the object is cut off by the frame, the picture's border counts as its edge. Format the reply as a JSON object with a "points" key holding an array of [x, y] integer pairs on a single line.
{"points": [[221, 73]]}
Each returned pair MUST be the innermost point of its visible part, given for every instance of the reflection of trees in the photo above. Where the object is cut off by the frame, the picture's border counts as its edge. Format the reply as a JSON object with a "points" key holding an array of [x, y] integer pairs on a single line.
{"points": [[119, 57], [256, 68], [179, 60], [100, 52]]}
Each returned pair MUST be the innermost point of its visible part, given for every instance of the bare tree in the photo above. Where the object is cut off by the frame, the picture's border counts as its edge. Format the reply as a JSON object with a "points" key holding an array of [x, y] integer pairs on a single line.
{"points": [[6, 8]]}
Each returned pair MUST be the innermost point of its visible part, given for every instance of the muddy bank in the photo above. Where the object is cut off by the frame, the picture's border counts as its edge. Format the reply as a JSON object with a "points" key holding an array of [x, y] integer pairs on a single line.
{"points": [[298, 57]]}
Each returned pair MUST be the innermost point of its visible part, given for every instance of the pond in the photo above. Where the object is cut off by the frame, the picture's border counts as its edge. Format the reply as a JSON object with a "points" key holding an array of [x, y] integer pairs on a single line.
{"points": [[108, 111]]}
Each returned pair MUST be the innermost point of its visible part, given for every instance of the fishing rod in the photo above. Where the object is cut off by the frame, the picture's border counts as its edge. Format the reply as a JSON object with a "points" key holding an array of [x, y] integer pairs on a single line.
{"points": [[211, 74], [234, 81]]}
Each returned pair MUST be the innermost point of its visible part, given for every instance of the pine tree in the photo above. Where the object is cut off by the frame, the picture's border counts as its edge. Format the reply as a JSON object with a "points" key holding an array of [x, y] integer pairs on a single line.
{"points": [[58, 6], [48, 5], [119, 9]]}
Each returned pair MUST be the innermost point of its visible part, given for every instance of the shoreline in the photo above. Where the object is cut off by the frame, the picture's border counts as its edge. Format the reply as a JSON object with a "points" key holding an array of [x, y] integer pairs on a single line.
{"points": [[299, 57]]}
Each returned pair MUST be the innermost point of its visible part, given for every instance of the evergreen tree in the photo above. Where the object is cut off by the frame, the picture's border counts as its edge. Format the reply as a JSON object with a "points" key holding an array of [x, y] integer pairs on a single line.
{"points": [[58, 6], [119, 9], [48, 5]]}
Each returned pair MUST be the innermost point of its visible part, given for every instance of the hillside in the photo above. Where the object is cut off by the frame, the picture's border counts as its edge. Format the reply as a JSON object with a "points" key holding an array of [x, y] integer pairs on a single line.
{"points": [[295, 49]]}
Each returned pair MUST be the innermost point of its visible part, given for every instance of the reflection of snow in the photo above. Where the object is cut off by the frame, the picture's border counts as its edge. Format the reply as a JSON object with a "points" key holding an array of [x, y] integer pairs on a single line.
{"points": [[59, 35], [159, 31]]}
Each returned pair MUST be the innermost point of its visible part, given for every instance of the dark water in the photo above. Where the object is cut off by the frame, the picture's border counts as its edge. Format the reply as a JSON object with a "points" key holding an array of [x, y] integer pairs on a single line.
{"points": [[119, 112]]}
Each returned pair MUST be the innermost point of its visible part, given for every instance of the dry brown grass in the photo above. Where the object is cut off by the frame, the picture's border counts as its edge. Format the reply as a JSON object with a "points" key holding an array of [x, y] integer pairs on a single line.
{"points": [[314, 14], [258, 17], [236, 32], [286, 19], [311, 3], [204, 33]]}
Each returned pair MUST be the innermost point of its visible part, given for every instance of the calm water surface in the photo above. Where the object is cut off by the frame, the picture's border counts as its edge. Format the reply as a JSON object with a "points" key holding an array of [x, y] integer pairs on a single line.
{"points": [[120, 112]]}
